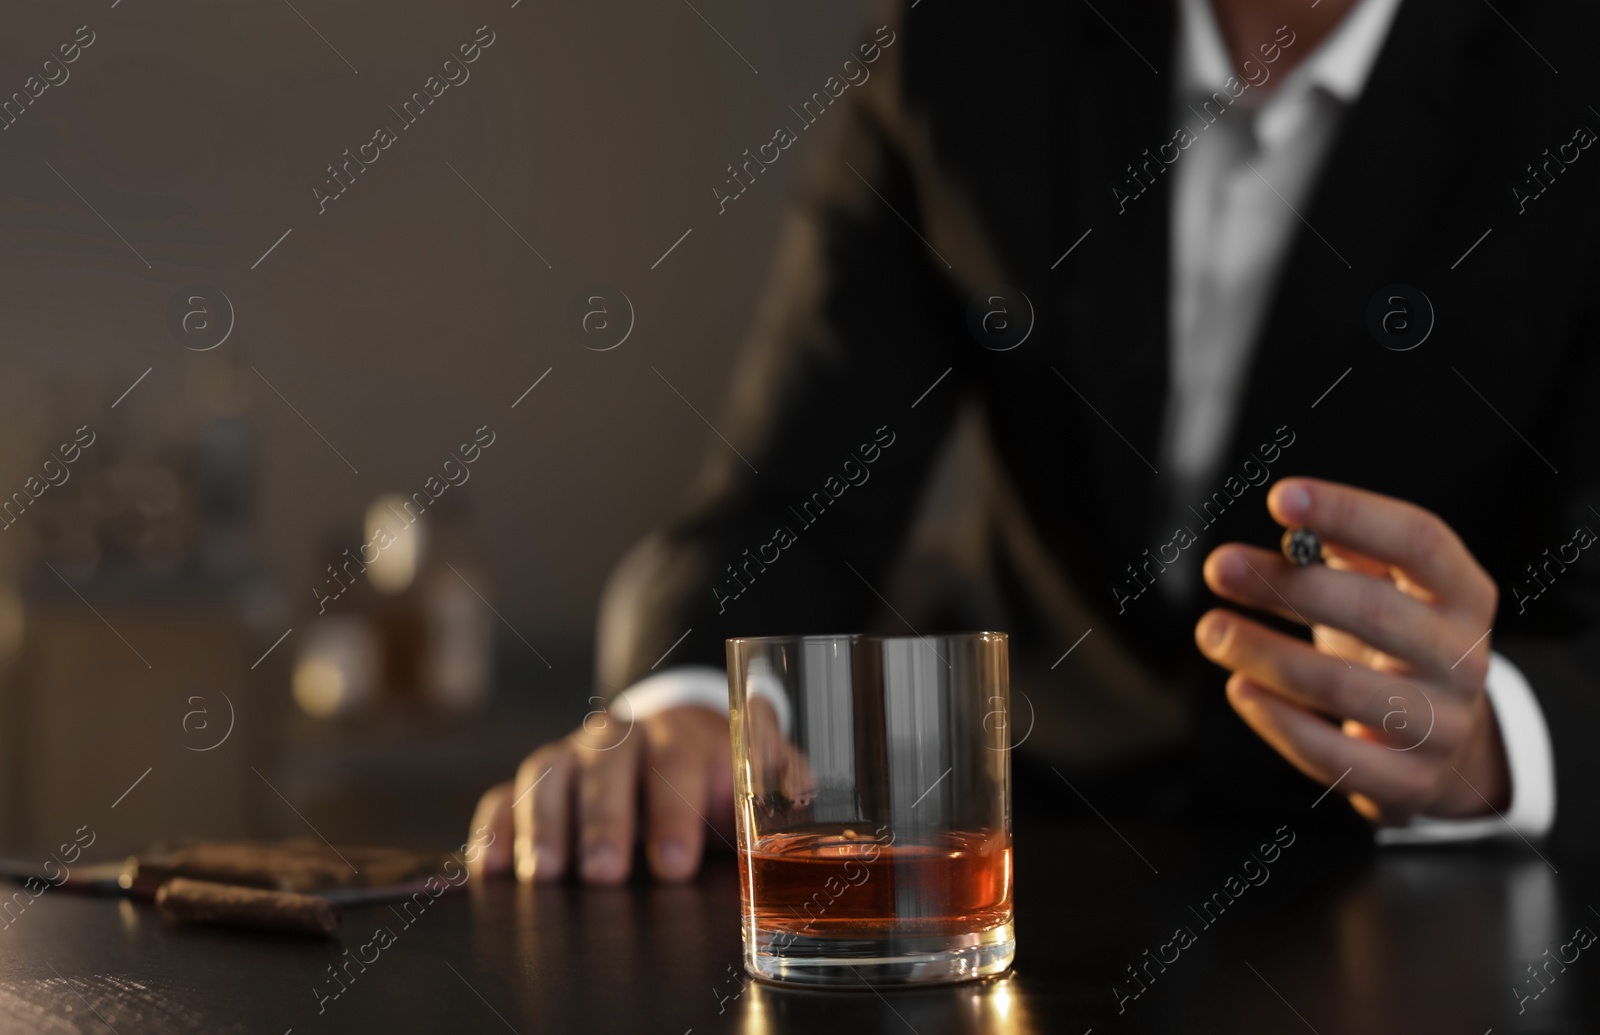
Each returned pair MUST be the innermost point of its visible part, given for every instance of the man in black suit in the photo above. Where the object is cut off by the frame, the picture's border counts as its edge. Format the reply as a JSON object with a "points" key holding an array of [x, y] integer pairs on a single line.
{"points": [[1185, 275]]}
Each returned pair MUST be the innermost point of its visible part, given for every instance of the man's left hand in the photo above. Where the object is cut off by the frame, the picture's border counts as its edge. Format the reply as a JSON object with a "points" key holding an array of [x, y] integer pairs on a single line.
{"points": [[1388, 700]]}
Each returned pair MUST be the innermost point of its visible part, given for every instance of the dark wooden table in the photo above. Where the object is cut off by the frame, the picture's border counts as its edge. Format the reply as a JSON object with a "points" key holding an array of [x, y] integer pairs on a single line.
{"points": [[1332, 940]]}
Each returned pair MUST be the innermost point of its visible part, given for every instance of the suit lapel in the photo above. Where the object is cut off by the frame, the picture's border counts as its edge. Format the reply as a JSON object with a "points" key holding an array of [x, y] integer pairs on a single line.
{"points": [[1114, 303], [1373, 214]]}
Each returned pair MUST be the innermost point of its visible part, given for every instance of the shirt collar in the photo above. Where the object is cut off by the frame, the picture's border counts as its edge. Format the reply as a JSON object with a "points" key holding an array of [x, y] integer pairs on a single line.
{"points": [[1340, 65]]}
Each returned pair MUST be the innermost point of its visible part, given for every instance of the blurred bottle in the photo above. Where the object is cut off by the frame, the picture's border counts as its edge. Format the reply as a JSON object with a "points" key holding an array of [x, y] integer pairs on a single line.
{"points": [[339, 666], [460, 633], [434, 627], [402, 594]]}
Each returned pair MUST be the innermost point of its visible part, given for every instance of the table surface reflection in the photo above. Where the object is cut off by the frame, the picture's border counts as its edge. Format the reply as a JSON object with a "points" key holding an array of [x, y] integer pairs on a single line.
{"points": [[1322, 938]]}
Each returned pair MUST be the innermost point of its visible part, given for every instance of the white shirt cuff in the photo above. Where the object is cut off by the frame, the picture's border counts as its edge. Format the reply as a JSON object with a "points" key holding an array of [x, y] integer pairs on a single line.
{"points": [[1529, 757], [702, 685]]}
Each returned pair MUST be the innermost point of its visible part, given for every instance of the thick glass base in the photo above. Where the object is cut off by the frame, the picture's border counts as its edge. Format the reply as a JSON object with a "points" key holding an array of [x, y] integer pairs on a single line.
{"points": [[845, 961]]}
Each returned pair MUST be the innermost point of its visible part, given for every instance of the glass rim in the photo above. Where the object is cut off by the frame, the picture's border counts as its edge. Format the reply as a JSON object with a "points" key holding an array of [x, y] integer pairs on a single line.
{"points": [[981, 634]]}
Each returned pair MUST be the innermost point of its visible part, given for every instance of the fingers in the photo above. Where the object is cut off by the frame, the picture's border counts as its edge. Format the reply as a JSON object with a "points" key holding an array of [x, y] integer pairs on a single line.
{"points": [[494, 815], [1374, 610], [1342, 558], [688, 783], [1390, 530], [1293, 668], [603, 782], [607, 803], [780, 760], [1323, 752], [676, 794], [575, 803], [1347, 648], [542, 813]]}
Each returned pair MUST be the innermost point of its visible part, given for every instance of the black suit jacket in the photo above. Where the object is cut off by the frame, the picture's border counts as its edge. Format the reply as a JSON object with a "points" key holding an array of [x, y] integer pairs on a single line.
{"points": [[988, 140]]}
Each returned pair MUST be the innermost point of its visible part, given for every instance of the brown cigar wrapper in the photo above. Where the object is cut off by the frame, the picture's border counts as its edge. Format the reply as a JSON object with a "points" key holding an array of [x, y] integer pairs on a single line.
{"points": [[206, 902]]}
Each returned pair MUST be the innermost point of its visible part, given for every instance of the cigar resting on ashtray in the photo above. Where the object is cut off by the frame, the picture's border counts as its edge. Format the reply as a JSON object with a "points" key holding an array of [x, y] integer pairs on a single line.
{"points": [[230, 905]]}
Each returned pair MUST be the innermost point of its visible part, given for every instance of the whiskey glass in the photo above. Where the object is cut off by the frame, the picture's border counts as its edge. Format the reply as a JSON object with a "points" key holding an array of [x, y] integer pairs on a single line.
{"points": [[872, 782]]}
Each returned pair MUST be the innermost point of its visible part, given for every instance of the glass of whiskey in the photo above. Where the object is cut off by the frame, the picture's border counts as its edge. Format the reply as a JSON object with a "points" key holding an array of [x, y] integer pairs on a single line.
{"points": [[872, 780]]}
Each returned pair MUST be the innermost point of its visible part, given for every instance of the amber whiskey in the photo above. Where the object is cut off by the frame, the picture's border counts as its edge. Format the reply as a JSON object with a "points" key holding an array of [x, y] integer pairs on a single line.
{"points": [[870, 882]]}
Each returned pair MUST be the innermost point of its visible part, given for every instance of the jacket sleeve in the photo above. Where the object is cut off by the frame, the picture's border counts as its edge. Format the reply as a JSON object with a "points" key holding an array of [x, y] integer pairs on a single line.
{"points": [[1549, 621]]}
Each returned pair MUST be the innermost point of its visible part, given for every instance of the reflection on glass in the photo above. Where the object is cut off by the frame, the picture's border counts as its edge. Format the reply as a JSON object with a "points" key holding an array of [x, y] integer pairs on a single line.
{"points": [[992, 1007]]}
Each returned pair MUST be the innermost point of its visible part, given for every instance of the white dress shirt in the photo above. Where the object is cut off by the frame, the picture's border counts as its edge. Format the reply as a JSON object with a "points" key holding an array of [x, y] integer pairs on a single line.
{"points": [[1236, 188]]}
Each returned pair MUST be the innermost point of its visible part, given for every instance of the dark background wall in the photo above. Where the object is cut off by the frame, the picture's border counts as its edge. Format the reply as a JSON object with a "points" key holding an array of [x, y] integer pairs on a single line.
{"points": [[408, 313], [179, 152]]}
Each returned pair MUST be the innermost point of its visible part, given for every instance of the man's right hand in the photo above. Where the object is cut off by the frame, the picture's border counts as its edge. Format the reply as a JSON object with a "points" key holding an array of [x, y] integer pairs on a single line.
{"points": [[574, 803]]}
